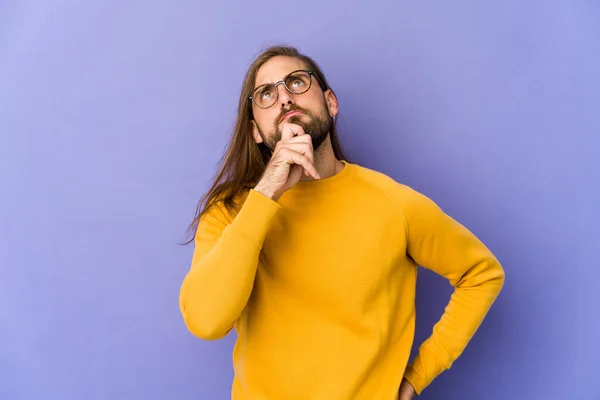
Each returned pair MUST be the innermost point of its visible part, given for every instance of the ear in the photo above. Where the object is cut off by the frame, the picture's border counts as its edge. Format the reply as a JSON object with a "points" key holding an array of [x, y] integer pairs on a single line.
{"points": [[332, 103], [256, 133]]}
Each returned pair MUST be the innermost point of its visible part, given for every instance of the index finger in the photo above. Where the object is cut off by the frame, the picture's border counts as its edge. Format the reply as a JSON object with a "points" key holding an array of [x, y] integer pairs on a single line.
{"points": [[289, 130]]}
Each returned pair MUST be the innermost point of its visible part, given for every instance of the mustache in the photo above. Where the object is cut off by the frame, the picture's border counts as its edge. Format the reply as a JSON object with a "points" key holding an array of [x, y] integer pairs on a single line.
{"points": [[292, 108]]}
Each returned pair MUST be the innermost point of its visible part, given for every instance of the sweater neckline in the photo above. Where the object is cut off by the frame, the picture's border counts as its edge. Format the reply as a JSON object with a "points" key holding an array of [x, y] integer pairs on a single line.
{"points": [[332, 183]]}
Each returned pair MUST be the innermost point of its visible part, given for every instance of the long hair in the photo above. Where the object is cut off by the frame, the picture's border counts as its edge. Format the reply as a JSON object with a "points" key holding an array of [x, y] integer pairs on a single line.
{"points": [[244, 161]]}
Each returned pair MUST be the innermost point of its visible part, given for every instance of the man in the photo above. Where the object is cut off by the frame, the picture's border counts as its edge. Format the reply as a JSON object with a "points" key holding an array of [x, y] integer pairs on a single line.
{"points": [[313, 259]]}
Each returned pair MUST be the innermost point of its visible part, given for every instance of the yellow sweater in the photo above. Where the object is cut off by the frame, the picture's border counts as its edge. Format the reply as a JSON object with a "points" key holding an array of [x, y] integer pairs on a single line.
{"points": [[320, 287]]}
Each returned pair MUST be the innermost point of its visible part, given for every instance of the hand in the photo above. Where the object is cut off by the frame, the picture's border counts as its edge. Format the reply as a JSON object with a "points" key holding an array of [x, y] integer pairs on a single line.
{"points": [[292, 155], [406, 392]]}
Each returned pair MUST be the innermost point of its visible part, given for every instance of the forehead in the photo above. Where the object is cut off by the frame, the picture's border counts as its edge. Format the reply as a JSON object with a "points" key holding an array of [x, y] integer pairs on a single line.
{"points": [[276, 69]]}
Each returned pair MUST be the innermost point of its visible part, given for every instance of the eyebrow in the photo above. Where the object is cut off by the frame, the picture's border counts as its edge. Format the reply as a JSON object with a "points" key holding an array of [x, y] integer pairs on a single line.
{"points": [[279, 80], [271, 82]]}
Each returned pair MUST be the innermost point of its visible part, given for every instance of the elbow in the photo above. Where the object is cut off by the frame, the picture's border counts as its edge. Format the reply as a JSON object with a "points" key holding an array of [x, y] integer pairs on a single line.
{"points": [[487, 273], [500, 274], [493, 276], [202, 326], [204, 330]]}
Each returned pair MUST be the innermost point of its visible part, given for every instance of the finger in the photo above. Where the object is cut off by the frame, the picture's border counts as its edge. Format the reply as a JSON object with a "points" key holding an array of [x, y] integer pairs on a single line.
{"points": [[287, 137], [302, 148], [289, 130], [292, 157], [298, 142], [301, 144], [306, 141], [304, 138]]}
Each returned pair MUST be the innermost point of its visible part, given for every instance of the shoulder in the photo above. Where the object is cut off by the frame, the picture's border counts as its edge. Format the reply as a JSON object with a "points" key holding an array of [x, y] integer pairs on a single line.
{"points": [[417, 210], [400, 193]]}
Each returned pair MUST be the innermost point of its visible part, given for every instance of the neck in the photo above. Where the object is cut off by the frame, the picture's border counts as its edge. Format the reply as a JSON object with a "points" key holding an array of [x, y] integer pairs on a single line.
{"points": [[325, 162]]}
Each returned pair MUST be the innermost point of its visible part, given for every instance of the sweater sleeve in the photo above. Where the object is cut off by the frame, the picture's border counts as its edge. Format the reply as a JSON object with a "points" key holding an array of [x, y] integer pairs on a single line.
{"points": [[439, 243], [217, 287]]}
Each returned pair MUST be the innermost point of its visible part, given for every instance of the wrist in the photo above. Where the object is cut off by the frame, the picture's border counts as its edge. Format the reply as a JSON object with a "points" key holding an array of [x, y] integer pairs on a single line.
{"points": [[265, 191], [407, 390]]}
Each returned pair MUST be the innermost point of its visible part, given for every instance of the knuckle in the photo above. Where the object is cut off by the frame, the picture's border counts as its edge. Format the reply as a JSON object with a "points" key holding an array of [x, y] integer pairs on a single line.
{"points": [[284, 150], [284, 145]]}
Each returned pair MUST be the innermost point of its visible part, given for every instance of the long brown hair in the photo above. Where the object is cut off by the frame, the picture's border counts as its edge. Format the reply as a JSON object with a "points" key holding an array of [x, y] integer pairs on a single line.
{"points": [[244, 161]]}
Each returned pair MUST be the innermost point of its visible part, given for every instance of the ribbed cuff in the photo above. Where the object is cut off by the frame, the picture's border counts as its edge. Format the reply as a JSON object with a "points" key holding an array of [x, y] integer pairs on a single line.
{"points": [[255, 217], [417, 381]]}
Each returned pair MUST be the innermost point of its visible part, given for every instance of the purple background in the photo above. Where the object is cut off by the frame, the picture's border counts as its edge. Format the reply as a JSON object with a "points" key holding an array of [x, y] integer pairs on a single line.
{"points": [[113, 116]]}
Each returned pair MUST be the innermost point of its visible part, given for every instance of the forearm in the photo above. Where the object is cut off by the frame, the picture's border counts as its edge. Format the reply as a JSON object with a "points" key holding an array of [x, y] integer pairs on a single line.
{"points": [[438, 242], [471, 300], [219, 283]]}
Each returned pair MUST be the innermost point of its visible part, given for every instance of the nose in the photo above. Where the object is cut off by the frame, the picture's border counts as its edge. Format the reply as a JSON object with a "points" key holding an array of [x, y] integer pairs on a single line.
{"points": [[283, 96]]}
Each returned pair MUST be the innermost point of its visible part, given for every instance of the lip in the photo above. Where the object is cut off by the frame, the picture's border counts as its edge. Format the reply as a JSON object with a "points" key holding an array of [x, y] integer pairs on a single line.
{"points": [[291, 114]]}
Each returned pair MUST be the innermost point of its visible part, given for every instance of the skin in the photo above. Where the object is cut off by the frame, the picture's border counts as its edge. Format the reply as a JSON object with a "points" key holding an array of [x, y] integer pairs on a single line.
{"points": [[294, 157], [267, 125]]}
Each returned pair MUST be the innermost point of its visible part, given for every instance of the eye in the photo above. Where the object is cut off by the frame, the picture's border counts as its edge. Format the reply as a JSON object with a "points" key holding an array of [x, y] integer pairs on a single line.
{"points": [[265, 94], [297, 82]]}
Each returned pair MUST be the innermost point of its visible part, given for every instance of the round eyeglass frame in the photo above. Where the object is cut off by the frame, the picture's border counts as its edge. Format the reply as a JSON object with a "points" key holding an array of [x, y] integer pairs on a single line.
{"points": [[282, 82]]}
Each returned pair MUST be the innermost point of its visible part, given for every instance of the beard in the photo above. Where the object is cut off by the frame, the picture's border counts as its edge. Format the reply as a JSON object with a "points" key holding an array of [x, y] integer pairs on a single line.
{"points": [[317, 127]]}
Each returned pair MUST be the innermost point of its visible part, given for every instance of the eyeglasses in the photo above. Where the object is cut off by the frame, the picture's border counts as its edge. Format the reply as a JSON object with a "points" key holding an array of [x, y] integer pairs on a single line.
{"points": [[296, 82]]}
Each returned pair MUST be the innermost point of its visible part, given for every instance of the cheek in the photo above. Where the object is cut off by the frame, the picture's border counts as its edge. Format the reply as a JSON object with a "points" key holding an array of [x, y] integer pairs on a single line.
{"points": [[266, 118], [318, 103]]}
